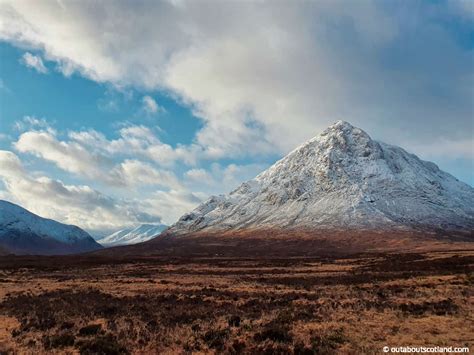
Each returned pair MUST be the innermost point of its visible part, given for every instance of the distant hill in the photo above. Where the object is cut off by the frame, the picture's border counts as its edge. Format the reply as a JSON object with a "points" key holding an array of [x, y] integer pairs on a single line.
{"points": [[23, 232], [139, 234]]}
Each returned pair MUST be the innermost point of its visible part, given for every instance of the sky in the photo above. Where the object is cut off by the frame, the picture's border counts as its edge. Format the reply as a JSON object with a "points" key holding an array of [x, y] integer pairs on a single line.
{"points": [[114, 114]]}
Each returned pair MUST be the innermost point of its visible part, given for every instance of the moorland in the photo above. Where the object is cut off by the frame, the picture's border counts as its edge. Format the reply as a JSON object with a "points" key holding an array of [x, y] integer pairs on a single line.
{"points": [[235, 305]]}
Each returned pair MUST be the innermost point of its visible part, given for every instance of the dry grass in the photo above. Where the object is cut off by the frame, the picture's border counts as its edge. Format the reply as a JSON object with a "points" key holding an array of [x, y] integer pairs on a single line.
{"points": [[235, 305]]}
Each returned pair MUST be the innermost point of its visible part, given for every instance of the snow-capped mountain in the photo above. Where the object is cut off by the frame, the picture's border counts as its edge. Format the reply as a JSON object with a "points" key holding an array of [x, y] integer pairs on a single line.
{"points": [[127, 236], [23, 232], [341, 179]]}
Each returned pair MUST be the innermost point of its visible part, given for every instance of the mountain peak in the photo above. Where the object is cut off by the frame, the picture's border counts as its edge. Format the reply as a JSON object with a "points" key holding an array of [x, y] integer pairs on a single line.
{"points": [[341, 179], [338, 145], [341, 126], [345, 129]]}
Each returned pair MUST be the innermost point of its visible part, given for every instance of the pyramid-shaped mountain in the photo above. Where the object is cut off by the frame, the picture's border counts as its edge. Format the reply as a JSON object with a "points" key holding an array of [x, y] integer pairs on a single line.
{"points": [[340, 180]]}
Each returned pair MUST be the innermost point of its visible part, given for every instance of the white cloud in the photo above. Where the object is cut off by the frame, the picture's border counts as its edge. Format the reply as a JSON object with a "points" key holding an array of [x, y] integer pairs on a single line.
{"points": [[265, 76], [221, 179], [69, 156], [139, 173], [75, 156], [11, 165], [34, 62], [32, 123], [139, 141], [150, 106], [172, 204], [199, 176], [74, 204]]}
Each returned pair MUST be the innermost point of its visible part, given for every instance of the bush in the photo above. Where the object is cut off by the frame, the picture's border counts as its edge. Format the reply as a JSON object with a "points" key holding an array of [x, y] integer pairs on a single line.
{"points": [[59, 341], [234, 321], [91, 329]]}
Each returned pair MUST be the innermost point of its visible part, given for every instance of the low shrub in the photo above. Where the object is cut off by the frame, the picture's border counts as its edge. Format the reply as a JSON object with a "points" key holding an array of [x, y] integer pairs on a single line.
{"points": [[91, 329], [58, 341]]}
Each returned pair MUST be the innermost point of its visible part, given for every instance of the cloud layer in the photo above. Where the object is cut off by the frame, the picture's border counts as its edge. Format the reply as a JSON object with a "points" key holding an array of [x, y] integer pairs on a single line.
{"points": [[265, 76]]}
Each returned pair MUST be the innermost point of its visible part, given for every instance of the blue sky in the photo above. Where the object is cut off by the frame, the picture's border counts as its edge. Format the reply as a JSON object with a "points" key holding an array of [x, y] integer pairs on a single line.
{"points": [[119, 113], [76, 102]]}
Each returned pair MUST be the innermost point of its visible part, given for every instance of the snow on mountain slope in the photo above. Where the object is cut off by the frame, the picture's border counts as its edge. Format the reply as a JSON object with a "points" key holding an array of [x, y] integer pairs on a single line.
{"points": [[341, 179], [135, 235], [23, 230]]}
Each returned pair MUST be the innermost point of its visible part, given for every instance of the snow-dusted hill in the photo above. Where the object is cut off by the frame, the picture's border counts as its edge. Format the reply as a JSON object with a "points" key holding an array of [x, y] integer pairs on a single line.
{"points": [[24, 232], [135, 235], [341, 179]]}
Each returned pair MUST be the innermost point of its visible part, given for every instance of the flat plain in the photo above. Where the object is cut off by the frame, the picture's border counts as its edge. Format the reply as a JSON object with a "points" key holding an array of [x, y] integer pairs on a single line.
{"points": [[235, 305]]}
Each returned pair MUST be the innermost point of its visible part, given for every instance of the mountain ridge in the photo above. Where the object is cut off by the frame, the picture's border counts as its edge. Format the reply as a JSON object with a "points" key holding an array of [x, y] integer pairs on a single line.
{"points": [[23, 232]]}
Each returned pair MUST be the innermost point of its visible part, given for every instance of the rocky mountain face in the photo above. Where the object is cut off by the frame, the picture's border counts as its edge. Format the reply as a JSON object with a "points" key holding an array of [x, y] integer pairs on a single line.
{"points": [[23, 232], [341, 180], [128, 236]]}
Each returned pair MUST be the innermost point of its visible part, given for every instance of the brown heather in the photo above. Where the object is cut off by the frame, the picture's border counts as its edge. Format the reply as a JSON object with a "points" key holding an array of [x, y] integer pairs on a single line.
{"points": [[235, 305]]}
